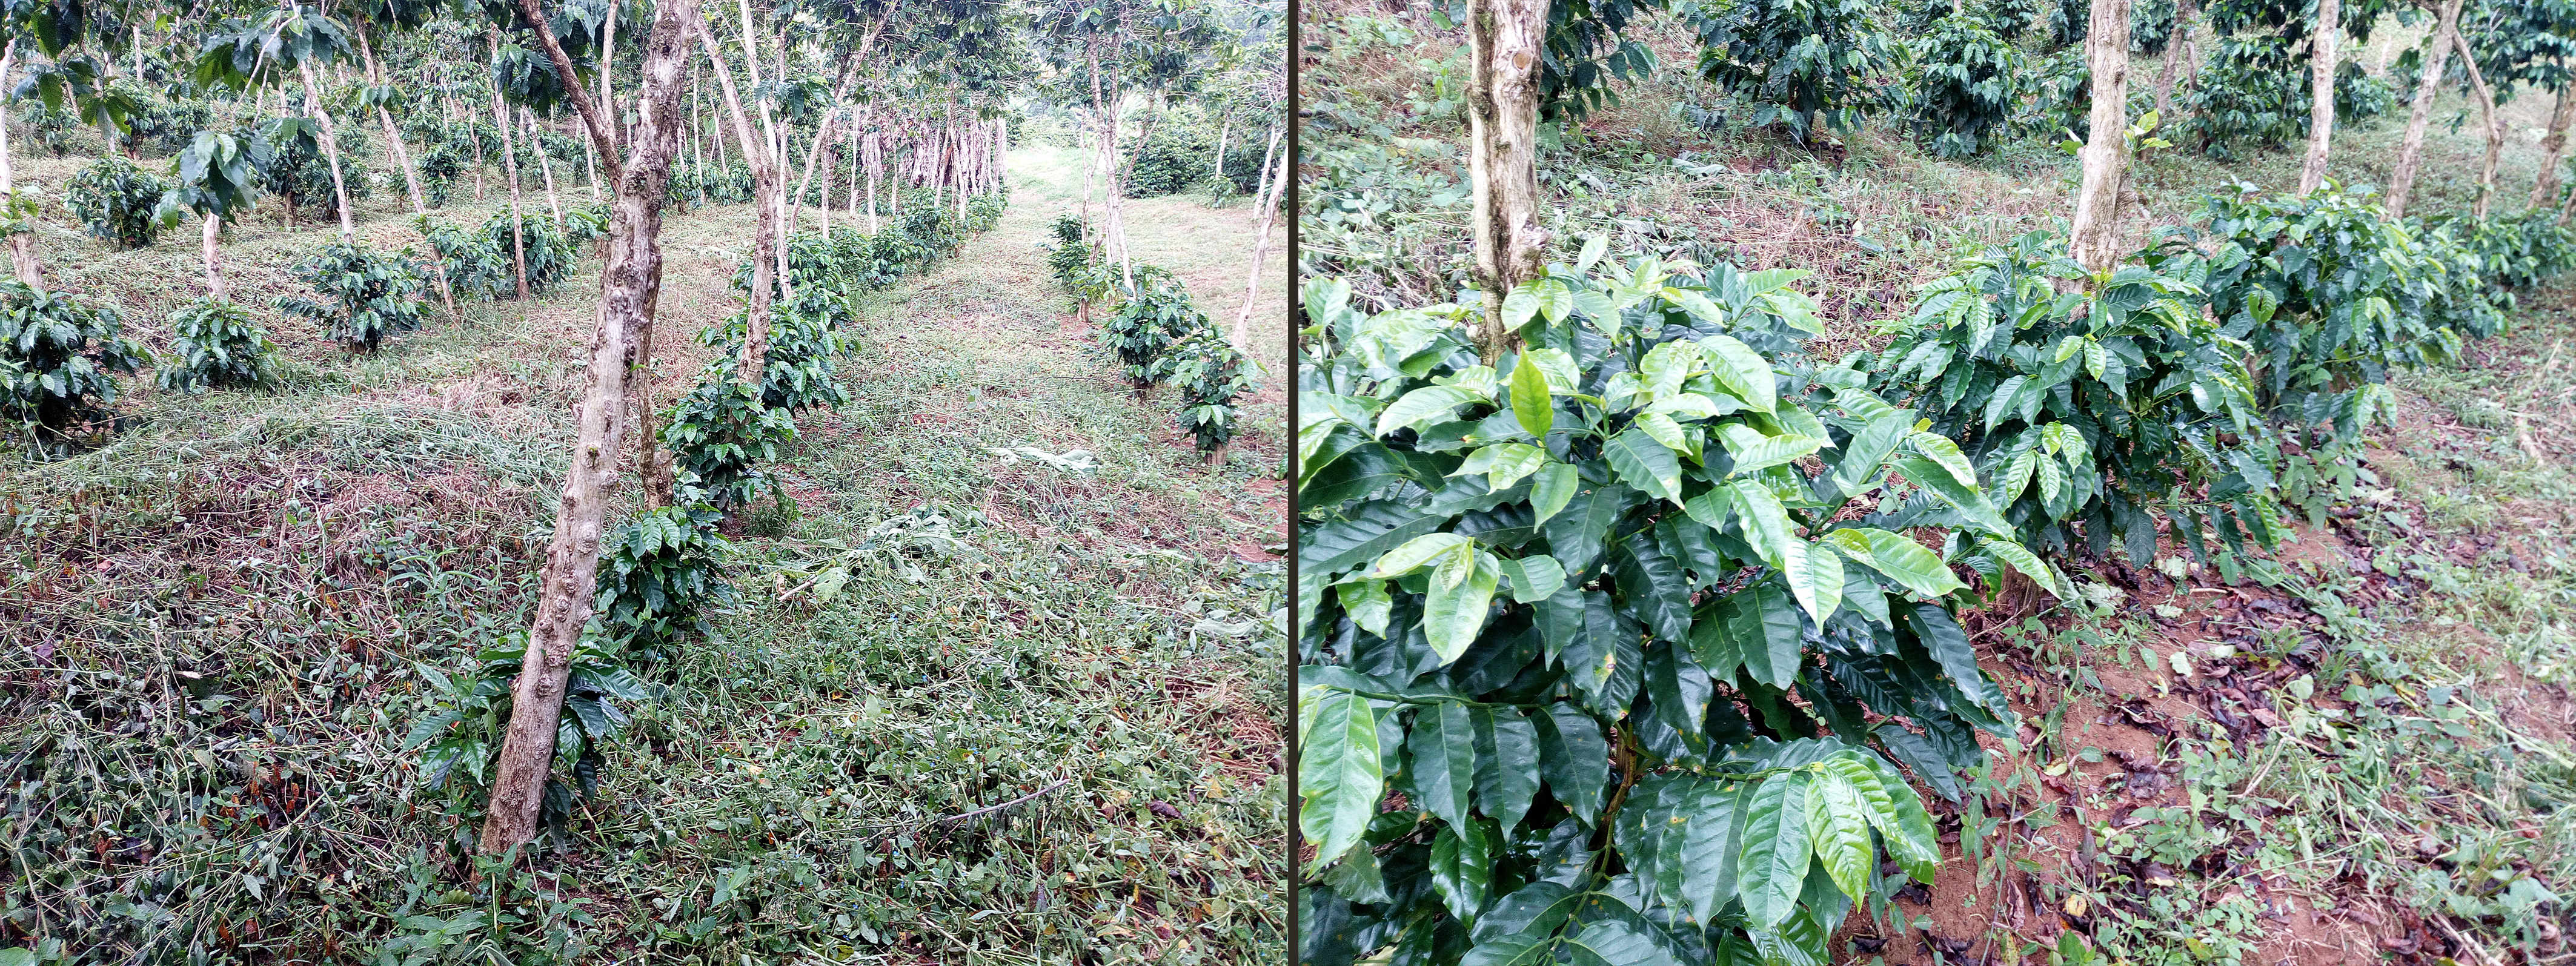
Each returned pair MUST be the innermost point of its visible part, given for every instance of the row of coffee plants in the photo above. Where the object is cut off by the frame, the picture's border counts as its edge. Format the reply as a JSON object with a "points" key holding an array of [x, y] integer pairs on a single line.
{"points": [[1159, 336], [1647, 620]]}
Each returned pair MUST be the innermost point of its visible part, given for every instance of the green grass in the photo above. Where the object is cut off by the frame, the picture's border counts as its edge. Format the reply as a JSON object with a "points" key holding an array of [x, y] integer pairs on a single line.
{"points": [[227, 612]]}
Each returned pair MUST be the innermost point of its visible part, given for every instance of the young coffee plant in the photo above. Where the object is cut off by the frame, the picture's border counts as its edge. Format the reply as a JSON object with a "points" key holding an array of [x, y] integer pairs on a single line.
{"points": [[367, 295], [475, 267], [440, 168], [215, 345], [116, 201], [2094, 413], [1070, 251], [719, 431], [804, 348], [1209, 373], [665, 572], [297, 170], [1149, 320], [1970, 80], [459, 739], [59, 358], [1600, 616], [2513, 250], [550, 254], [985, 211], [1806, 64]]}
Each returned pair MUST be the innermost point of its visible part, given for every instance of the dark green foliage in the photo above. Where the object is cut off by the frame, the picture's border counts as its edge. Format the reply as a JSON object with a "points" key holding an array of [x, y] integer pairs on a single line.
{"points": [[2151, 26], [1148, 320], [727, 186], [1506, 575], [116, 201], [2070, 20], [367, 295], [685, 189], [215, 345], [52, 128], [59, 358], [985, 211], [719, 431], [474, 266], [164, 127], [1968, 82], [1178, 156], [1806, 64], [459, 739], [298, 172], [2515, 250], [1071, 251], [440, 168], [585, 225], [655, 585], [2255, 90], [2095, 413], [804, 347], [1209, 373], [1585, 52]]}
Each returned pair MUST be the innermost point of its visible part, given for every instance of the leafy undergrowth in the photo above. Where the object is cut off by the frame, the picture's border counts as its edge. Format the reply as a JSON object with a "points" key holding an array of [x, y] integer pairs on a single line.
{"points": [[233, 613], [2360, 753]]}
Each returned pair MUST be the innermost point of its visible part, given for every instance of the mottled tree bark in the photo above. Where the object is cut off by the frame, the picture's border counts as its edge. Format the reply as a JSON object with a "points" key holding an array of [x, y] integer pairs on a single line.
{"points": [[2486, 114], [2410, 150], [628, 286], [2322, 46], [2095, 238], [22, 245], [1267, 196], [1504, 45], [2553, 148], [764, 177]]}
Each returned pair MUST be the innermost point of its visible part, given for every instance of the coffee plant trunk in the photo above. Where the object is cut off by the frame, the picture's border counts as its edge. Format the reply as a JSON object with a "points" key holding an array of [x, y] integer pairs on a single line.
{"points": [[2487, 117], [2410, 149], [510, 166], [2321, 107], [2553, 147], [214, 228], [2095, 237], [2176, 50], [22, 245], [1223, 128], [765, 189], [627, 286], [1260, 245], [330, 151], [1504, 40]]}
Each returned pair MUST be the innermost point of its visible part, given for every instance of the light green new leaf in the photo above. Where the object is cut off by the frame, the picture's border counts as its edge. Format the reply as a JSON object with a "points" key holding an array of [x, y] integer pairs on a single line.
{"points": [[1519, 307], [1944, 453], [1666, 431], [1766, 522], [1416, 553], [1910, 836], [1645, 464], [1462, 591], [1902, 560], [1563, 376], [1532, 402], [1710, 508], [1776, 850], [2016, 477], [1534, 578], [1368, 604], [1666, 366], [1754, 452], [1338, 774], [2097, 358], [1970, 503], [1502, 463], [2052, 480], [2021, 559], [1696, 304], [1523, 949], [2001, 403], [1555, 299], [1817, 581], [1838, 828], [1553, 487], [1424, 405], [1741, 371], [1593, 248]]}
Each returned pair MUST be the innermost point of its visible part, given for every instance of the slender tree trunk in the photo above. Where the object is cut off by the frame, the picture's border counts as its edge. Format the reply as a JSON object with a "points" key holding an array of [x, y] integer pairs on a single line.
{"points": [[1223, 128], [590, 168], [213, 230], [2322, 46], [872, 157], [2486, 113], [411, 175], [764, 176], [607, 69], [2410, 150], [22, 244], [628, 286], [479, 163], [1260, 246], [2553, 147], [2095, 239], [545, 165], [330, 151], [1504, 49], [510, 162]]}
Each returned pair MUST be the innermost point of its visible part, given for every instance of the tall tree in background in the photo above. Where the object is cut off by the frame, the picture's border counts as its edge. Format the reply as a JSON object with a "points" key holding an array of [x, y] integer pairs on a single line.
{"points": [[2094, 240], [2410, 149], [2321, 113], [288, 45], [628, 285], [758, 152], [381, 17], [1505, 41]]}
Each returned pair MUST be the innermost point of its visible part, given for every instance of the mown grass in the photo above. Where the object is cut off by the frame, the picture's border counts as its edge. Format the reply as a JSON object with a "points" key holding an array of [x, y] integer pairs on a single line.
{"points": [[228, 613]]}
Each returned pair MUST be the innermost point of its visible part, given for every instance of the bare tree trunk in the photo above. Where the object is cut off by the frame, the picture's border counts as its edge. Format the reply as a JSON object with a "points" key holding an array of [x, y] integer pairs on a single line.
{"points": [[2095, 238], [1223, 128], [213, 229], [628, 287], [872, 157], [22, 244], [1261, 245], [2553, 147], [1504, 49], [545, 165], [330, 150], [590, 168], [2410, 151], [2487, 113], [764, 176], [479, 163], [411, 175], [2321, 111], [510, 162]]}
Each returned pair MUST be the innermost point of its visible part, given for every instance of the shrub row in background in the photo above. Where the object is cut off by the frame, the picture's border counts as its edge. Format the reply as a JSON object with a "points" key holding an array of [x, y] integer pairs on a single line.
{"points": [[1659, 528], [1160, 337]]}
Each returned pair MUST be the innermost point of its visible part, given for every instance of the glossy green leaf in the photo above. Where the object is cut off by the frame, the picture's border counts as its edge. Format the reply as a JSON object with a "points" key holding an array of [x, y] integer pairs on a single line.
{"points": [[1945, 454], [1424, 405], [2021, 559], [1573, 757], [1756, 628], [1754, 452], [1441, 751], [1970, 503], [1506, 764], [1817, 580], [1551, 488], [1338, 773], [1941, 635], [1462, 867], [1417, 553], [1902, 560], [1609, 942], [1776, 849], [1645, 464], [1741, 371], [1462, 597], [1368, 604], [1838, 828], [1526, 949], [1534, 578], [1532, 402]]}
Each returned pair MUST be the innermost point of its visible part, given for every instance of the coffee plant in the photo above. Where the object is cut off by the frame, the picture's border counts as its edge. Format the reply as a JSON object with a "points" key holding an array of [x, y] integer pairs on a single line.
{"points": [[550, 254], [474, 266], [366, 295], [2255, 90], [298, 172], [2513, 250], [1969, 81], [1070, 252], [665, 571], [2094, 413], [1807, 64], [719, 431], [459, 740], [214, 344], [1210, 374], [441, 166], [59, 359], [803, 348], [116, 201], [1614, 621], [1148, 320]]}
